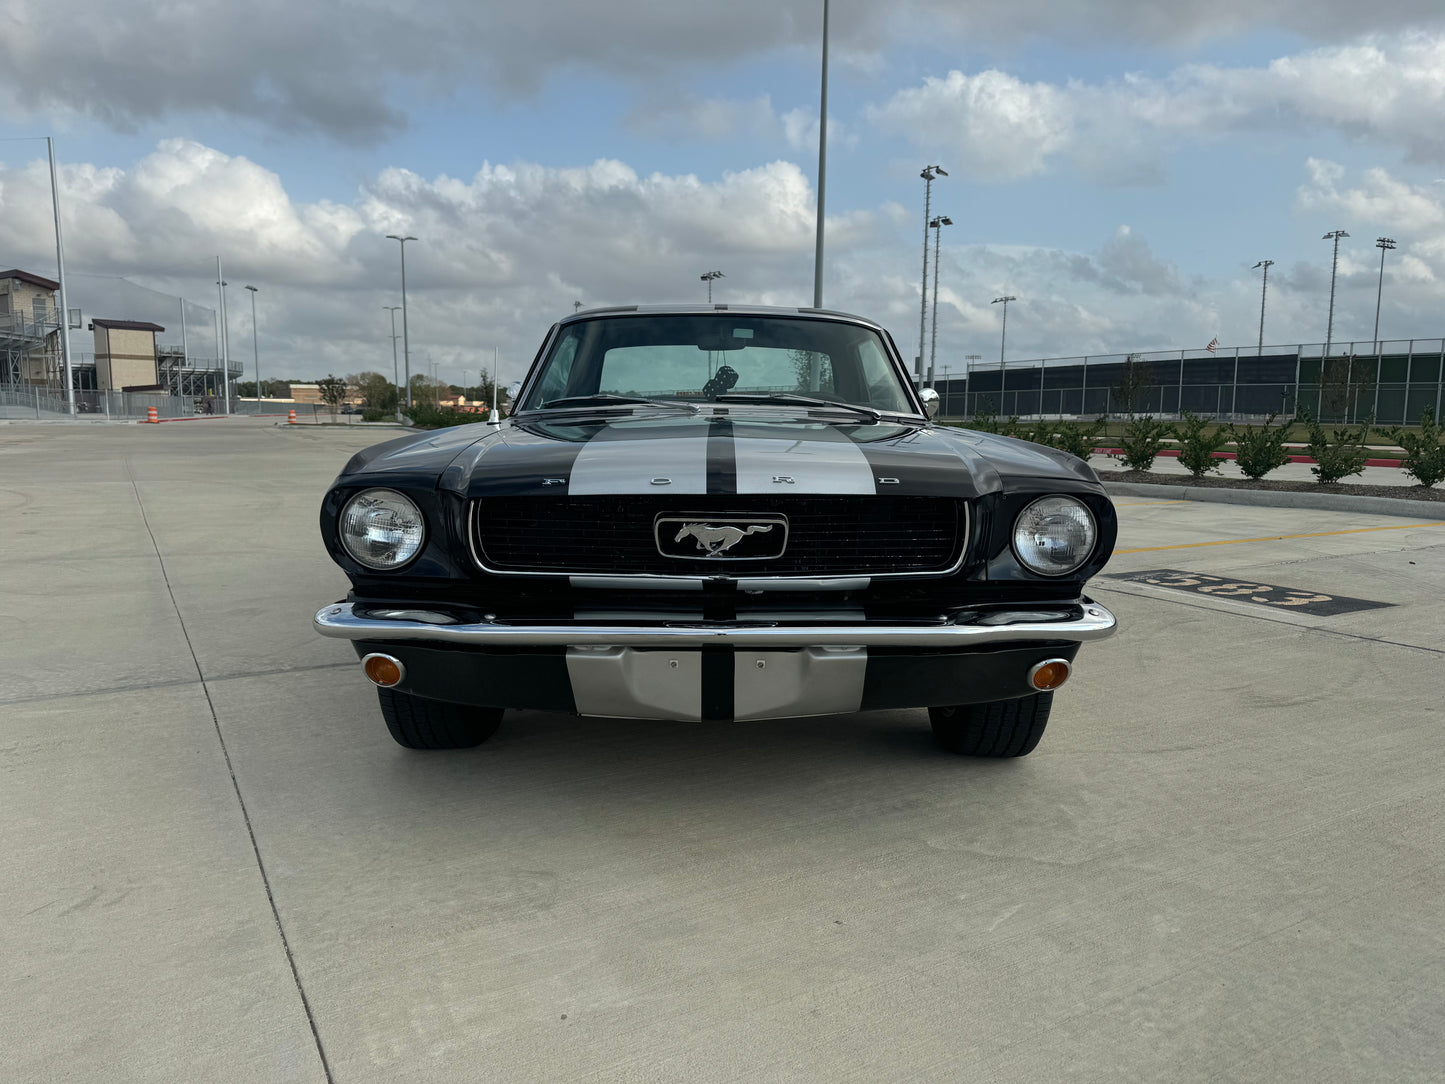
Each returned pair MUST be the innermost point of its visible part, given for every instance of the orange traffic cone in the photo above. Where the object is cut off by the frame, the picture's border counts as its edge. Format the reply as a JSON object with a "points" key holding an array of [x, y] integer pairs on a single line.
{"points": [[291, 417], [153, 415]]}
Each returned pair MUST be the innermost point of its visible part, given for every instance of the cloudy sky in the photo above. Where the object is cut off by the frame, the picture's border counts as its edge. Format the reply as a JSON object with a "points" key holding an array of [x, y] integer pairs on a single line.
{"points": [[1118, 165]]}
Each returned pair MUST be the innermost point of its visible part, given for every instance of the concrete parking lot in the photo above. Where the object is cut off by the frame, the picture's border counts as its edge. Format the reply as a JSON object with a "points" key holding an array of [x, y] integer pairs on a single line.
{"points": [[1226, 860]]}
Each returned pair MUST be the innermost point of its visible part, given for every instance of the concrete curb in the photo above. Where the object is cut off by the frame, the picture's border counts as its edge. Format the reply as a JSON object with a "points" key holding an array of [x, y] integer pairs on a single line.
{"points": [[1269, 498]]}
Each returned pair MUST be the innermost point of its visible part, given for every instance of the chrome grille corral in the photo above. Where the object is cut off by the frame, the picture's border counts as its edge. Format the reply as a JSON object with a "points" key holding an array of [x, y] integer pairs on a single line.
{"points": [[827, 536]]}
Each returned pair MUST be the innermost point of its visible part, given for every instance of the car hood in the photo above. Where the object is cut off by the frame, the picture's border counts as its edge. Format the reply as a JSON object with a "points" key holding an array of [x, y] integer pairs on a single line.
{"points": [[738, 453]]}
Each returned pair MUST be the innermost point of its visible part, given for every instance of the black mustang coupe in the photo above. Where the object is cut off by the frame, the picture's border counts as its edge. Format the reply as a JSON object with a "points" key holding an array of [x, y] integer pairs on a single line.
{"points": [[717, 513]]}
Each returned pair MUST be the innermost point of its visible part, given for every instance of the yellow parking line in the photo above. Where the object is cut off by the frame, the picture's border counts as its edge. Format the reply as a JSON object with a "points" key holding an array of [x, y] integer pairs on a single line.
{"points": [[1147, 504], [1278, 537]]}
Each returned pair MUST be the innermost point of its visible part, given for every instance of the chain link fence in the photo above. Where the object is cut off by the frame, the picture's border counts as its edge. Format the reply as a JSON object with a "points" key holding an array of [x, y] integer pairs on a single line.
{"points": [[1394, 384]]}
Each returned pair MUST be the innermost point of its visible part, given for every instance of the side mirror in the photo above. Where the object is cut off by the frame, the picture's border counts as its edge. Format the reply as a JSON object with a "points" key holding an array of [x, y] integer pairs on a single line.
{"points": [[513, 388], [930, 401]]}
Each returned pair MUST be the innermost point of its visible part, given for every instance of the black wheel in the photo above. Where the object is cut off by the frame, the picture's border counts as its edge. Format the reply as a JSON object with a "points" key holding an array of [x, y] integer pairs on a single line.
{"points": [[1005, 728], [418, 723]]}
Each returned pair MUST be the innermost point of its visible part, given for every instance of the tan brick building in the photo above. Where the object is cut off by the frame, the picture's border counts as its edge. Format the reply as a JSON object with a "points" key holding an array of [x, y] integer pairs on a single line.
{"points": [[125, 354], [29, 328]]}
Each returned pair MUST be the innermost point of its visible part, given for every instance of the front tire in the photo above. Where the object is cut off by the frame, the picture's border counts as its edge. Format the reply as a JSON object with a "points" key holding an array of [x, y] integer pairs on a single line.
{"points": [[418, 723], [1004, 728]]}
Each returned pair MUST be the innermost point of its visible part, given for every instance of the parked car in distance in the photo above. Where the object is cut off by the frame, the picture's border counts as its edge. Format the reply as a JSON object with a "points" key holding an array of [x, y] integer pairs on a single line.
{"points": [[717, 513]]}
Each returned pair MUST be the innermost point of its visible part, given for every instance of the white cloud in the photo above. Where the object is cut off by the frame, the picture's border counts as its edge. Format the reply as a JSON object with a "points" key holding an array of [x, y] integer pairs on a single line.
{"points": [[499, 256], [343, 68], [502, 254], [994, 125], [1388, 89]]}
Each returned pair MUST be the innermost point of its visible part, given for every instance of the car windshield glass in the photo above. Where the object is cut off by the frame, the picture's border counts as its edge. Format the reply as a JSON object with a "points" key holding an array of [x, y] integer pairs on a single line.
{"points": [[698, 357]]}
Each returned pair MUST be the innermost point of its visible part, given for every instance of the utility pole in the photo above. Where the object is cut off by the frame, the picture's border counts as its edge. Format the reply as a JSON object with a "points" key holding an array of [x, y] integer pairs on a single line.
{"points": [[1384, 244], [60, 276], [937, 224], [1334, 267], [1003, 338], [929, 172], [395, 373], [822, 169], [255, 350], [1263, 290], [222, 343], [405, 339]]}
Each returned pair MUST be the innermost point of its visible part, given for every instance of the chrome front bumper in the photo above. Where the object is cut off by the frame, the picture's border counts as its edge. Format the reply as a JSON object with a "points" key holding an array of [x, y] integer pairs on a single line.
{"points": [[343, 621]]}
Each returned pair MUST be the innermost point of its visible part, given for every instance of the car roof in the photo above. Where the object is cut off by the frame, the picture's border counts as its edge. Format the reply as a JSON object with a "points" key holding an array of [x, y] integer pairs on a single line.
{"points": [[700, 310]]}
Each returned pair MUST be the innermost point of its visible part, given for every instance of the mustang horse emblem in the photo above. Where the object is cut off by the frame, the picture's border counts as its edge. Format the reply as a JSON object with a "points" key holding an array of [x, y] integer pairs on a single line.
{"points": [[714, 540]]}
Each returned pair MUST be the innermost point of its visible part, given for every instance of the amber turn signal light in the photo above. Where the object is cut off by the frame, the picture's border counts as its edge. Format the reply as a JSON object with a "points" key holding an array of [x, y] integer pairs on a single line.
{"points": [[1049, 675], [383, 670]]}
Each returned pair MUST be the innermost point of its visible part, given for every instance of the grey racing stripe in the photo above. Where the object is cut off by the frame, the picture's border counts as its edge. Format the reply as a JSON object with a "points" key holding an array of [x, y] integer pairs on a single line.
{"points": [[817, 459], [623, 462]]}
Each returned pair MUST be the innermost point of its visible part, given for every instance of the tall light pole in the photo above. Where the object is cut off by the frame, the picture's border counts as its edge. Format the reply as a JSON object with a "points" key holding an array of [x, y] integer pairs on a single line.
{"points": [[929, 172], [223, 339], [60, 276], [1334, 235], [1003, 338], [1263, 289], [822, 168], [708, 278], [255, 349], [405, 340], [937, 224], [1384, 244], [395, 375]]}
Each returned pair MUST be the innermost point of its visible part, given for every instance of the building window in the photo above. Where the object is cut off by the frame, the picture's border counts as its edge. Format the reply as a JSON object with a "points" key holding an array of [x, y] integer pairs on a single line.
{"points": [[4, 304], [40, 307]]}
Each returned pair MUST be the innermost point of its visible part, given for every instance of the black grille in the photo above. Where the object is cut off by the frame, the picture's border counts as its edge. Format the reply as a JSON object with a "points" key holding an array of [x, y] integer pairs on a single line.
{"points": [[614, 535]]}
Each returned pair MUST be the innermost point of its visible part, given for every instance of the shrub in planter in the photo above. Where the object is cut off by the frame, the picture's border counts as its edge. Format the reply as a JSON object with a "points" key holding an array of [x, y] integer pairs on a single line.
{"points": [[1143, 438], [1338, 453], [1196, 446], [983, 421], [1424, 454], [426, 416], [1261, 450], [1076, 438]]}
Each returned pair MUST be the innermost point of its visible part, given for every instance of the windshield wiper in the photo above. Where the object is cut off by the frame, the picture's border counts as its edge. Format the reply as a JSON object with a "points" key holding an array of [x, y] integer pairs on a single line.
{"points": [[788, 397], [607, 399]]}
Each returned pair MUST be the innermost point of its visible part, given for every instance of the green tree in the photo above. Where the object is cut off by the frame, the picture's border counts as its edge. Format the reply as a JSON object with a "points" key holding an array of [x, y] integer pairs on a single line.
{"points": [[1261, 450], [377, 391], [1136, 378], [1424, 454], [1142, 441], [1198, 444], [1338, 453], [426, 390], [1346, 383], [333, 391]]}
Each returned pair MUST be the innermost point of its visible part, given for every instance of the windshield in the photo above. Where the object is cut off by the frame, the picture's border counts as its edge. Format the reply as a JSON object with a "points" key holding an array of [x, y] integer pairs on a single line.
{"points": [[699, 358]]}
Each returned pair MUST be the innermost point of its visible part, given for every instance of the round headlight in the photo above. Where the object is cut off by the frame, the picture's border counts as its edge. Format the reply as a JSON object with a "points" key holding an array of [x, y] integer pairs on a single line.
{"points": [[382, 529], [1054, 535]]}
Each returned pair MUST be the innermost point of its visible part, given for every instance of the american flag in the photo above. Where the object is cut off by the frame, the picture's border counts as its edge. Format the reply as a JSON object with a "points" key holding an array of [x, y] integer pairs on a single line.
{"points": [[1213, 343]]}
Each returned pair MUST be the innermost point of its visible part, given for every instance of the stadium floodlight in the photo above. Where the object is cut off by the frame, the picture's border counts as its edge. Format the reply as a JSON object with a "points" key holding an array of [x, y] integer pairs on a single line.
{"points": [[1334, 235], [1384, 244]]}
